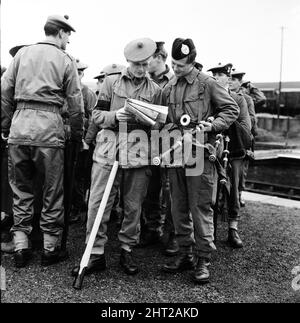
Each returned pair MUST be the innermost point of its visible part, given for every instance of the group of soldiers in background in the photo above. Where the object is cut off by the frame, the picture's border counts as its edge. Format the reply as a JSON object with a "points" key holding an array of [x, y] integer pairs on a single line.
{"points": [[52, 125]]}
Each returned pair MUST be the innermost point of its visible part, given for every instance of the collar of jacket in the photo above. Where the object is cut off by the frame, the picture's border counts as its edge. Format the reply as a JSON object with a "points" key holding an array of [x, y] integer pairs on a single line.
{"points": [[190, 78], [166, 73], [126, 74], [49, 42]]}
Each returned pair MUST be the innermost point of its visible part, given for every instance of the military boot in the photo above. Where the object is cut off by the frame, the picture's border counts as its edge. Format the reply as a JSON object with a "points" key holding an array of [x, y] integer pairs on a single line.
{"points": [[75, 215], [96, 263], [233, 239], [21, 257], [127, 262], [8, 247], [150, 238], [184, 261], [52, 257], [172, 247], [242, 201], [201, 273]]}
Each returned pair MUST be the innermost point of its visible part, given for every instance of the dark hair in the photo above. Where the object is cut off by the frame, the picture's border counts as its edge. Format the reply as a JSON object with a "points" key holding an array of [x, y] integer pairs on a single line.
{"points": [[52, 29], [198, 66], [162, 52], [192, 56], [239, 77]]}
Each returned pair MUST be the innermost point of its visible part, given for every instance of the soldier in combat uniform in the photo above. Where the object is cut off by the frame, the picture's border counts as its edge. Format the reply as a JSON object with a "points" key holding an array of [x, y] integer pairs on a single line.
{"points": [[39, 79]]}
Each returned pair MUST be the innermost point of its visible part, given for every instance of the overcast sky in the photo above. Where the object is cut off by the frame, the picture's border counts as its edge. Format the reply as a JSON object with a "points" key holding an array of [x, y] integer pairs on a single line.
{"points": [[244, 32]]}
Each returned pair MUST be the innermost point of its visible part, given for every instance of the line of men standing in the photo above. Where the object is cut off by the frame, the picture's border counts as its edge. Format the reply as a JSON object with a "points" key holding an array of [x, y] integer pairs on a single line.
{"points": [[33, 96]]}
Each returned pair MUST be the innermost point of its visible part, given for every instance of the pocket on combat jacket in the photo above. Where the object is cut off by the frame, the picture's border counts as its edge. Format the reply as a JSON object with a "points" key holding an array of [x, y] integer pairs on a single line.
{"points": [[194, 102], [175, 110]]}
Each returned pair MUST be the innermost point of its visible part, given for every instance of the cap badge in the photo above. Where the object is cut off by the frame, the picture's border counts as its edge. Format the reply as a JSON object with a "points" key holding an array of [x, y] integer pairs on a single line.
{"points": [[185, 49]]}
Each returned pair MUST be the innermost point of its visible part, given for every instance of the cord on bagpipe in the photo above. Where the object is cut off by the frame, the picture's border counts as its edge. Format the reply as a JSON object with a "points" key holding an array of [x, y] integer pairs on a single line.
{"points": [[185, 121], [222, 187], [221, 164]]}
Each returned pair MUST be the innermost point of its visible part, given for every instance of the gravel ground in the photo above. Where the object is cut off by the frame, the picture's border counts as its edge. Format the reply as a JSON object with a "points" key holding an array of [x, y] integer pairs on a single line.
{"points": [[260, 272]]}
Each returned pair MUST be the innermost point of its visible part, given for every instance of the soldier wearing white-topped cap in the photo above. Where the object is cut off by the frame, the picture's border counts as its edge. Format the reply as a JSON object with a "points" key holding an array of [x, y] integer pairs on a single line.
{"points": [[240, 140]]}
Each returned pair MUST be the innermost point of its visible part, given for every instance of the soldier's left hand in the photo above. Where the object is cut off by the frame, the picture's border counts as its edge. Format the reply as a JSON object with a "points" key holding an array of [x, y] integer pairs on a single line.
{"points": [[205, 126], [85, 146]]}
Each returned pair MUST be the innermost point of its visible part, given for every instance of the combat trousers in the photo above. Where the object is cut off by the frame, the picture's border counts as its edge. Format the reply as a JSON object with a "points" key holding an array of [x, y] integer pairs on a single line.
{"points": [[195, 194], [157, 205], [244, 173], [236, 176], [81, 172], [6, 192], [25, 164], [151, 207], [134, 183], [168, 228]]}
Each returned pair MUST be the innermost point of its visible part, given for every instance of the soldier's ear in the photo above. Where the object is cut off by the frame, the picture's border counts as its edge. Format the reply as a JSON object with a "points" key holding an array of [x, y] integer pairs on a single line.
{"points": [[60, 33]]}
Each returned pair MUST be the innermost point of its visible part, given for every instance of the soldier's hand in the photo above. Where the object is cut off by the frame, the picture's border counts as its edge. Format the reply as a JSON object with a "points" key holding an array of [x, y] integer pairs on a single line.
{"points": [[205, 126], [123, 116], [67, 131], [85, 146]]}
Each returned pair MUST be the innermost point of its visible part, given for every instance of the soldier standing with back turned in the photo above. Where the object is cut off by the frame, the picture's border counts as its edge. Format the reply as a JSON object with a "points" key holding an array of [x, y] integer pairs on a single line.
{"points": [[39, 79]]}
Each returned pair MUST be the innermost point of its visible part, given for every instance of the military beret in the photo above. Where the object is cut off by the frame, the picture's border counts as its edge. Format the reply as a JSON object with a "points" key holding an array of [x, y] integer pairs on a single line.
{"points": [[139, 49], [160, 49], [238, 74], [181, 48], [110, 70], [13, 51], [60, 21], [80, 65], [221, 68]]}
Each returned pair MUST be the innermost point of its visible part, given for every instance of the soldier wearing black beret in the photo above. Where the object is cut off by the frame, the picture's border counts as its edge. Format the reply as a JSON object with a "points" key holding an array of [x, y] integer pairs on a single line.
{"points": [[199, 96]]}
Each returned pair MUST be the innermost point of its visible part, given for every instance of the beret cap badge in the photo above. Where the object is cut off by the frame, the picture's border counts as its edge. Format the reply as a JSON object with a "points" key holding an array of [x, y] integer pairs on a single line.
{"points": [[185, 49]]}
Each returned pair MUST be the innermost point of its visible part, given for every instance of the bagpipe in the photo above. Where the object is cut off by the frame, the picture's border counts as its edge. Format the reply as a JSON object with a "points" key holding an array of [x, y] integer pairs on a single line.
{"points": [[237, 144], [220, 159], [211, 149], [223, 185]]}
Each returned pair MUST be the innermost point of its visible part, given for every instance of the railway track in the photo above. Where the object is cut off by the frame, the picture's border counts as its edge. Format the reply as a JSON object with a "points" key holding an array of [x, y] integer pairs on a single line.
{"points": [[284, 191]]}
